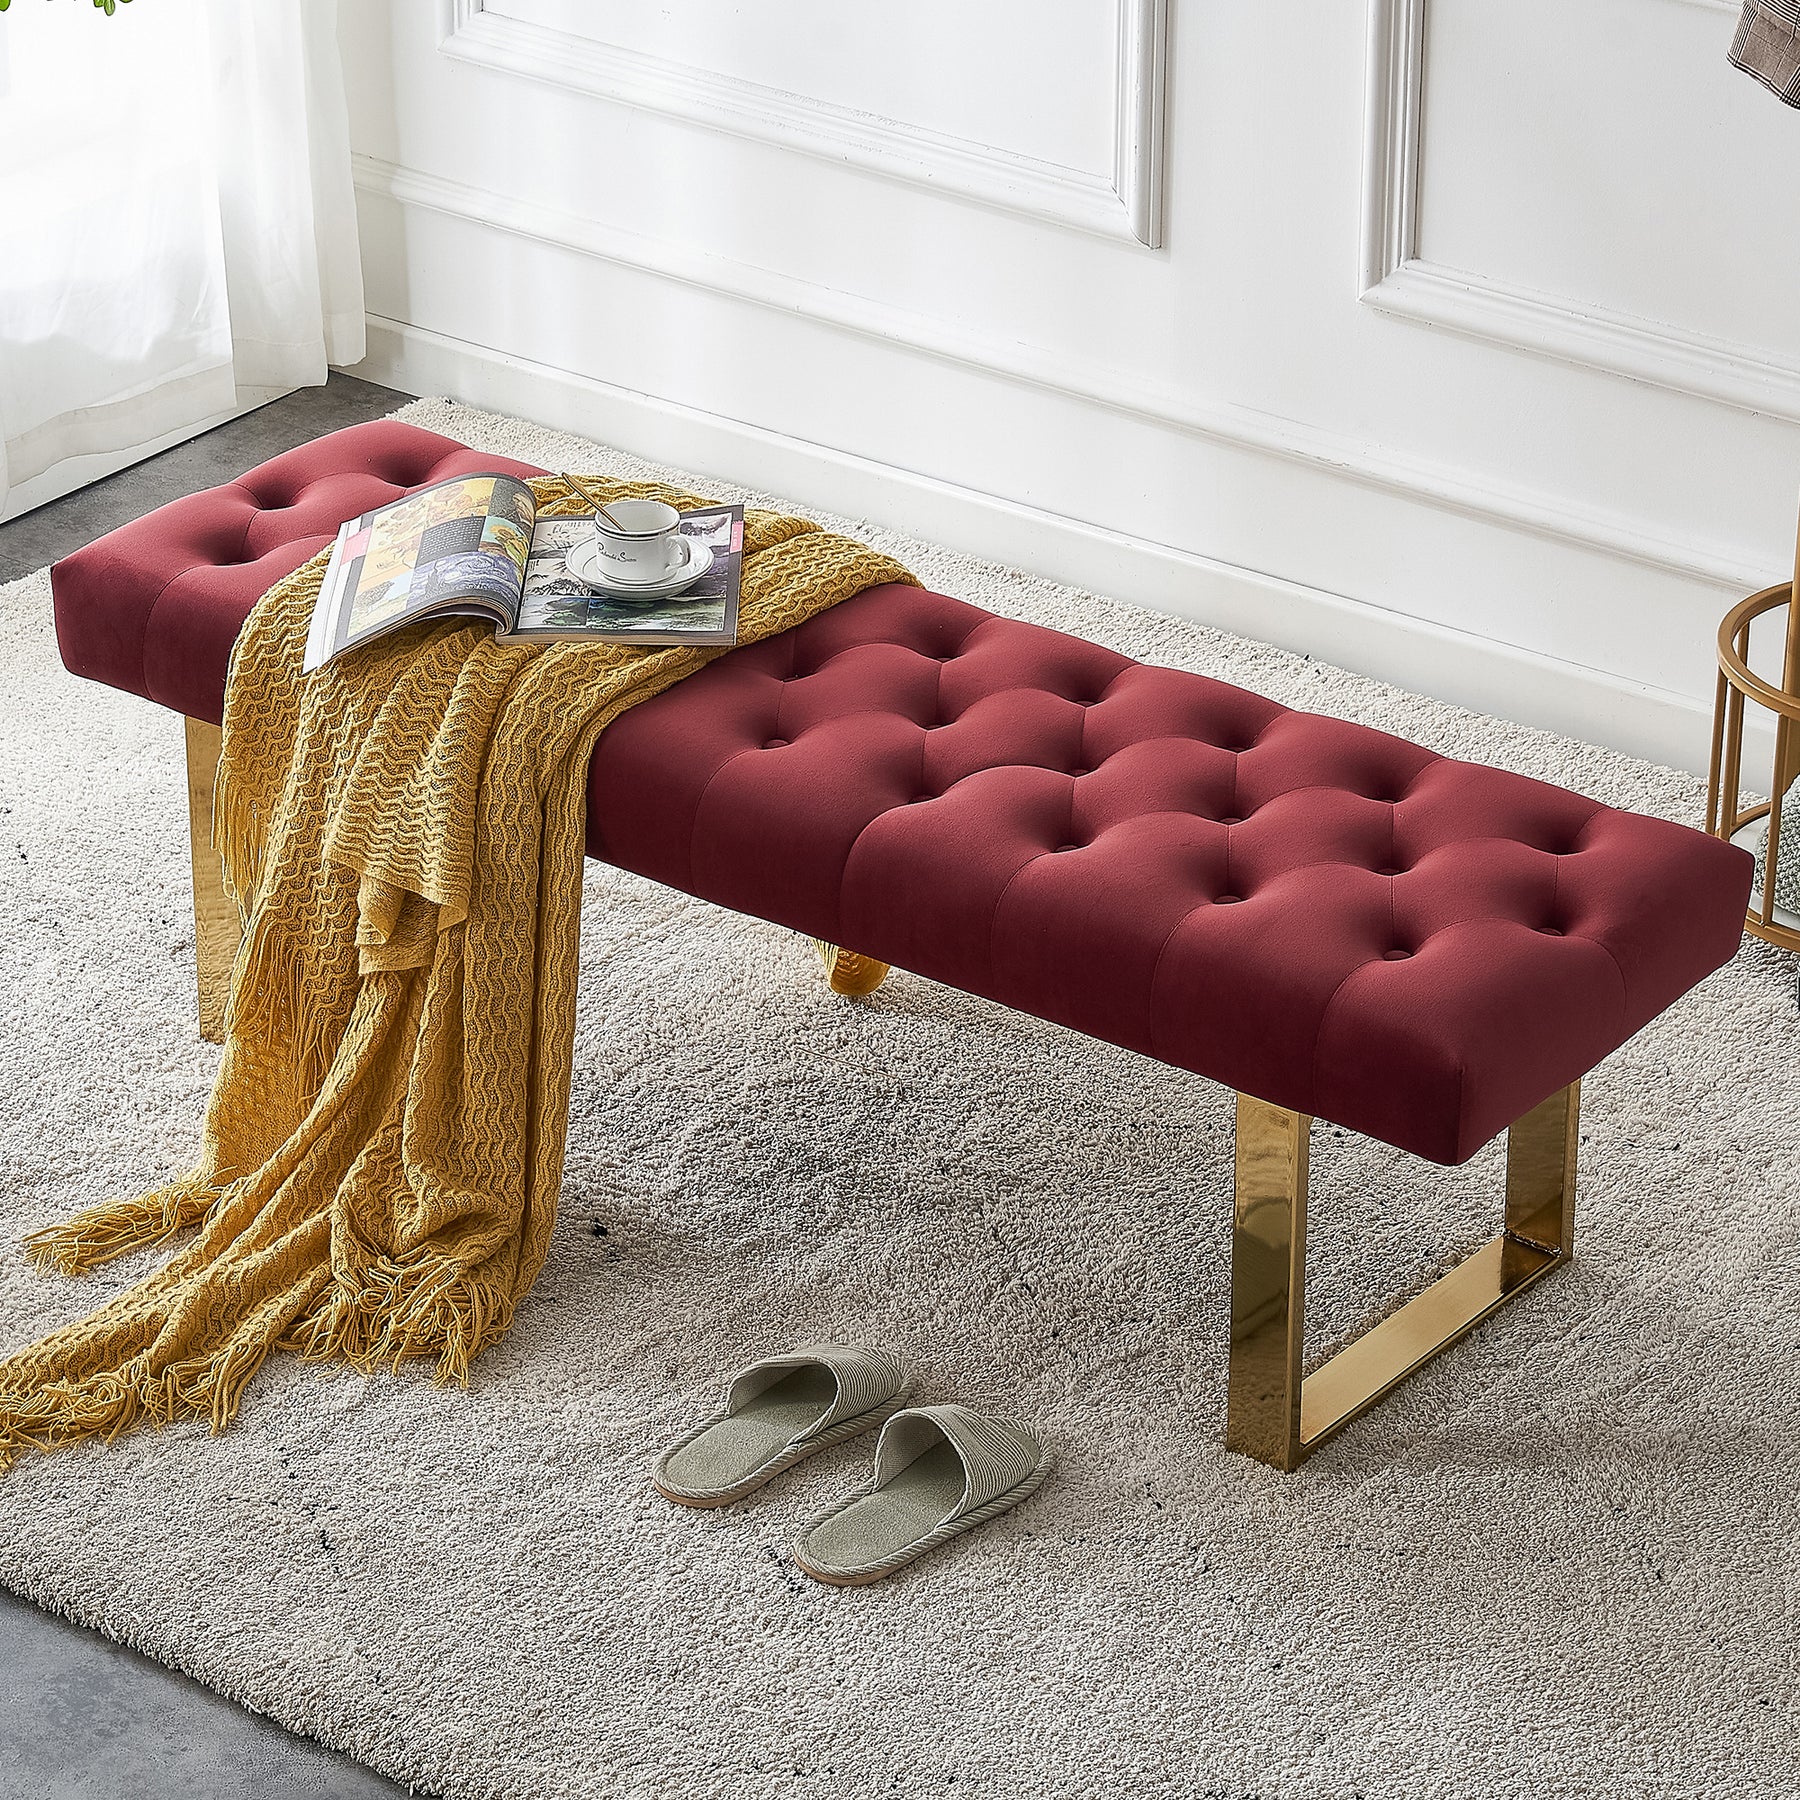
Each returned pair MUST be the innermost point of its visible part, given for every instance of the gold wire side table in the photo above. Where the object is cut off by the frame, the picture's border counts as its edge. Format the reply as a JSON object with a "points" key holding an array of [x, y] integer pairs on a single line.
{"points": [[1726, 815]]}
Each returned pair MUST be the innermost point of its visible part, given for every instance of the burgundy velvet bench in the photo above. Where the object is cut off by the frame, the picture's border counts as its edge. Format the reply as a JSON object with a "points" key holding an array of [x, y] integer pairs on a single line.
{"points": [[1331, 921]]}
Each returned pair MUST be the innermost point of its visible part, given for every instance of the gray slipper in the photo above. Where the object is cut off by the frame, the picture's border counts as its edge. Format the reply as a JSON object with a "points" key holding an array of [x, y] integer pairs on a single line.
{"points": [[939, 1471], [778, 1412]]}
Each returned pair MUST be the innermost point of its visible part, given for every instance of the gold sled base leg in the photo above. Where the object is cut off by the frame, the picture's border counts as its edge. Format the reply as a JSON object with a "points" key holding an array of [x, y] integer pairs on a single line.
{"points": [[1280, 1415], [849, 973], [217, 932]]}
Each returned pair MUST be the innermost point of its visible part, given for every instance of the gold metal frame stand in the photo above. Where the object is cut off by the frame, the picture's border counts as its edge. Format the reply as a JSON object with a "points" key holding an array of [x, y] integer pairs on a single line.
{"points": [[217, 932], [1727, 814], [1280, 1415], [849, 973]]}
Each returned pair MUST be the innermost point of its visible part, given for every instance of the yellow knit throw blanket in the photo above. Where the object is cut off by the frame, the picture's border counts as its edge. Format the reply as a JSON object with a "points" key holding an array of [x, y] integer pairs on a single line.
{"points": [[383, 1150]]}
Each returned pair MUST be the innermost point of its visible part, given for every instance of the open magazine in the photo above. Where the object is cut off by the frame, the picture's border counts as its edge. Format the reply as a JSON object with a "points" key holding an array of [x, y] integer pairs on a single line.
{"points": [[474, 545]]}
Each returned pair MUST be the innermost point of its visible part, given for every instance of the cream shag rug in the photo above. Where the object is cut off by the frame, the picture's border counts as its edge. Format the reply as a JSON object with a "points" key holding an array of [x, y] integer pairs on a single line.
{"points": [[1563, 1561]]}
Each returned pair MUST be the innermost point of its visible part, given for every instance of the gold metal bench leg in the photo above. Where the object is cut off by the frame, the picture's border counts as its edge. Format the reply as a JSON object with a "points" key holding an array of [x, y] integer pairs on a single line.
{"points": [[849, 973], [217, 932], [1274, 1410]]}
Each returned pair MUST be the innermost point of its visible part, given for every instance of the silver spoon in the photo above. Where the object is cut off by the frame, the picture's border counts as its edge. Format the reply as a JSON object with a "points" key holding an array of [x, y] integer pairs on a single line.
{"points": [[599, 505]]}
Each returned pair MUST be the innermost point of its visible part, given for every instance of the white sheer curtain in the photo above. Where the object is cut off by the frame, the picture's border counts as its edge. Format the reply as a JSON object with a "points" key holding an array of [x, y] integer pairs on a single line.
{"points": [[177, 229]]}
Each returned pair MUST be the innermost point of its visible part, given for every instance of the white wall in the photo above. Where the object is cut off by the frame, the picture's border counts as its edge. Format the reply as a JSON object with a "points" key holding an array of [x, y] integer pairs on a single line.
{"points": [[1452, 341]]}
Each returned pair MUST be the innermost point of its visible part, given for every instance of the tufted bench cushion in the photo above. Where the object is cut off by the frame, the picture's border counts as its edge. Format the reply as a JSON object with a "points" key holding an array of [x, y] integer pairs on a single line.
{"points": [[1319, 914], [1312, 912], [155, 606]]}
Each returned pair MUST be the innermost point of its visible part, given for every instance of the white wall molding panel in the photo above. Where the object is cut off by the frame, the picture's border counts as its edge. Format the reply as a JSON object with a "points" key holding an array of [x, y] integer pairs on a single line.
{"points": [[1078, 378], [1122, 201], [1428, 658], [1398, 278], [807, 247]]}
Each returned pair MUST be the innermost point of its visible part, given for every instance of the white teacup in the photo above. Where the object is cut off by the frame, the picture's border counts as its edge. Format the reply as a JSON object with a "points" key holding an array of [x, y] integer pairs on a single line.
{"points": [[646, 545]]}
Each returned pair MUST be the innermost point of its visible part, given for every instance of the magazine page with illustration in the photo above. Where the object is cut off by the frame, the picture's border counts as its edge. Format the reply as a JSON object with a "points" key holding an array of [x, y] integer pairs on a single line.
{"points": [[474, 546]]}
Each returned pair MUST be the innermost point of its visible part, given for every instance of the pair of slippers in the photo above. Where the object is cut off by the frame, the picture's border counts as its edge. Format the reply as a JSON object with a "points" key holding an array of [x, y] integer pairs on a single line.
{"points": [[940, 1471]]}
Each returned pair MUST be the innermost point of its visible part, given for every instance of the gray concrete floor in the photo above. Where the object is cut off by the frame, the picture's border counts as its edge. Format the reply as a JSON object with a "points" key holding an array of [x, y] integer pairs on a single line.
{"points": [[80, 1718], [36, 538], [84, 1719]]}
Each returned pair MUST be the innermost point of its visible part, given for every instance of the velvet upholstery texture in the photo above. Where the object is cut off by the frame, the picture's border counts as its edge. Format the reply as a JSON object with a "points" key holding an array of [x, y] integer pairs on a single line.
{"points": [[1333, 919], [155, 606], [1320, 914]]}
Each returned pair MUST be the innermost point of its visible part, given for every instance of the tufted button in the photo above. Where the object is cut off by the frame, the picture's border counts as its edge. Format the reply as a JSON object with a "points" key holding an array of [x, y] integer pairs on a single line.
{"points": [[1061, 848], [1551, 930], [1078, 771], [920, 799], [775, 743], [1395, 955], [1229, 819], [1226, 899], [1390, 870]]}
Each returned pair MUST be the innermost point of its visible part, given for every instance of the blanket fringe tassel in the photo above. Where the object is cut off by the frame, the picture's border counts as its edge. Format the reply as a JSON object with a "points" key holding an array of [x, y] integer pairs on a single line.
{"points": [[112, 1402], [402, 1311], [117, 1227], [398, 1312]]}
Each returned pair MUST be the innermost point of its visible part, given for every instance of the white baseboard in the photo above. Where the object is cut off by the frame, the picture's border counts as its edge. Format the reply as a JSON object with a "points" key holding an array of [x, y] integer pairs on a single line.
{"points": [[1555, 517], [1429, 658]]}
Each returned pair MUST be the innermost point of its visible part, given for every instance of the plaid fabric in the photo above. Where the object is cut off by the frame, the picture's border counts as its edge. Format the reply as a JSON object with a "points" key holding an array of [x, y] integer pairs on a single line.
{"points": [[1767, 46]]}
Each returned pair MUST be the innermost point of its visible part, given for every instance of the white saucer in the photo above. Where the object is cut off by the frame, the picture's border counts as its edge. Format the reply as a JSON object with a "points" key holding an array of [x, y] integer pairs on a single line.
{"points": [[584, 565]]}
